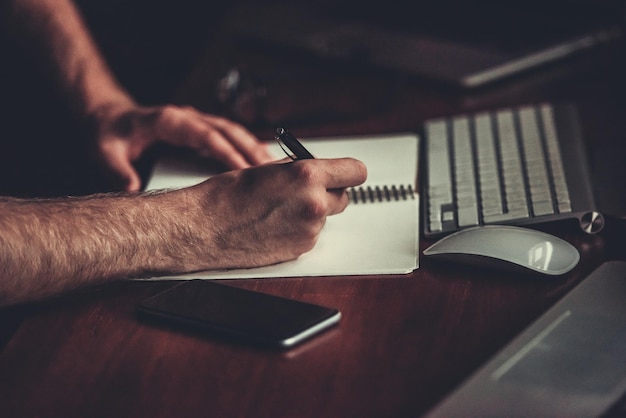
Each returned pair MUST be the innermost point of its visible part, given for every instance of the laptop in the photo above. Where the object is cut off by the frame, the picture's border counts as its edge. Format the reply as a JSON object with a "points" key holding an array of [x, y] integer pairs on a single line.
{"points": [[438, 40], [571, 362]]}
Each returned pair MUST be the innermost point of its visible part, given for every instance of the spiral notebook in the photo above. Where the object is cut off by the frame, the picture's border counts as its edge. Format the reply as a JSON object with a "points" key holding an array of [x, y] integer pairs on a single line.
{"points": [[377, 234]]}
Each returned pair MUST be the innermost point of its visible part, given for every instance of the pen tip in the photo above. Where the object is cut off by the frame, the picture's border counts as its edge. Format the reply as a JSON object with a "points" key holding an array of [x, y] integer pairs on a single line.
{"points": [[280, 131]]}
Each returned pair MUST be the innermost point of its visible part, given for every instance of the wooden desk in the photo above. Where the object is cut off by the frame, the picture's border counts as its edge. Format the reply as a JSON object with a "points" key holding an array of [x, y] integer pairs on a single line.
{"points": [[404, 341]]}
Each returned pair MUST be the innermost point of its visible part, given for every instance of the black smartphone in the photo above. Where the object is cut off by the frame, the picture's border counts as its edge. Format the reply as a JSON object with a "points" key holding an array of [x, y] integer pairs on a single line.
{"points": [[239, 313]]}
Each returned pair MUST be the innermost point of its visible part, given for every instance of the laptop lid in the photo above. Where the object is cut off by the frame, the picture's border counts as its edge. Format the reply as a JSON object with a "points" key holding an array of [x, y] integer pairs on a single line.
{"points": [[439, 40], [570, 362]]}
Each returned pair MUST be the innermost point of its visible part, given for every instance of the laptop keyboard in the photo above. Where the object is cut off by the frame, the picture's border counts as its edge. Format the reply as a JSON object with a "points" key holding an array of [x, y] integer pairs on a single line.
{"points": [[503, 166]]}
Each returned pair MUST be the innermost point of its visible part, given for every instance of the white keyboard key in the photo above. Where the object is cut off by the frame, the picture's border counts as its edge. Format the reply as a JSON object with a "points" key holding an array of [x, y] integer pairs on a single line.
{"points": [[468, 216], [543, 208], [510, 216]]}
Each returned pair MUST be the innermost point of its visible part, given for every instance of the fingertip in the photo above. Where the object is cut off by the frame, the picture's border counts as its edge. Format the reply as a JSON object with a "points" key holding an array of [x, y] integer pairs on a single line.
{"points": [[133, 184], [128, 178], [362, 169], [236, 162], [259, 155]]}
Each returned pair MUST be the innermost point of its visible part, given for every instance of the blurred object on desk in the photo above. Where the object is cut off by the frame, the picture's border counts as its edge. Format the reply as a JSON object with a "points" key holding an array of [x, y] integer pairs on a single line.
{"points": [[467, 45]]}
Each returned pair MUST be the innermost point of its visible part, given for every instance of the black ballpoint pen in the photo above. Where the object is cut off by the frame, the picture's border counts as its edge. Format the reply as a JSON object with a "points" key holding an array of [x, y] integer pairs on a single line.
{"points": [[285, 139]]}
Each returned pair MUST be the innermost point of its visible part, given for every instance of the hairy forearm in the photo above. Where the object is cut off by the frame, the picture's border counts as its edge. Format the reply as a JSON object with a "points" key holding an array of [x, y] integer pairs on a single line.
{"points": [[242, 218], [51, 246], [54, 32]]}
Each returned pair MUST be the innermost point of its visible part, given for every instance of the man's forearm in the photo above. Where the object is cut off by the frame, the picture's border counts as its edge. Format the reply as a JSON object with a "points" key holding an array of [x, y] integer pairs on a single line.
{"points": [[51, 246], [55, 32], [243, 218]]}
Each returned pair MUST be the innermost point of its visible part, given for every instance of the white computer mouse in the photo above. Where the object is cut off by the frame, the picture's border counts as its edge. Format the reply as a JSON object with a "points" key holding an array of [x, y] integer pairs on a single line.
{"points": [[510, 247]]}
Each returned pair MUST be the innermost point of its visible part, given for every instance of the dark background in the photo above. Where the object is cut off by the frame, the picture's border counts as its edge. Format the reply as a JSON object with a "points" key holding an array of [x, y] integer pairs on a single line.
{"points": [[150, 46]]}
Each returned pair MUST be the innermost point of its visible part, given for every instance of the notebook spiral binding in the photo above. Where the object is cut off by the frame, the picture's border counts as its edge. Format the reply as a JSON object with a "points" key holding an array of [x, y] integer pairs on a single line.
{"points": [[375, 194]]}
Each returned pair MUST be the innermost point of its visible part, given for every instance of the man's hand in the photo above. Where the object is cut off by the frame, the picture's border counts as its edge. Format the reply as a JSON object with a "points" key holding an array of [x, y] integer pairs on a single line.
{"points": [[123, 136], [267, 214], [242, 218], [55, 32]]}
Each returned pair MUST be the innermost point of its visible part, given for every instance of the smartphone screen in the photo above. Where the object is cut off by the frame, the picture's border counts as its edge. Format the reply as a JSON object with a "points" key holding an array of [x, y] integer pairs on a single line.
{"points": [[239, 313]]}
